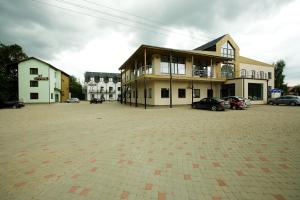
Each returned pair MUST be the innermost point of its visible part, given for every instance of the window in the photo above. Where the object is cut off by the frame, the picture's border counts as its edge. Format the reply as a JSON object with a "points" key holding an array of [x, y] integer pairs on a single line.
{"points": [[227, 50], [119, 88], [196, 93], [253, 74], [181, 93], [110, 96], [227, 70], [177, 65], [150, 93], [133, 93], [34, 84], [51, 95], [243, 73], [164, 65], [110, 89], [34, 71], [269, 75], [34, 95], [255, 91], [262, 74], [164, 93]]}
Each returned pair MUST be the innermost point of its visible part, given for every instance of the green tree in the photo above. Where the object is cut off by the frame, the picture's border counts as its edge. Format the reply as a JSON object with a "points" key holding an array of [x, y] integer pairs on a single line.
{"points": [[279, 75], [76, 88], [10, 55]]}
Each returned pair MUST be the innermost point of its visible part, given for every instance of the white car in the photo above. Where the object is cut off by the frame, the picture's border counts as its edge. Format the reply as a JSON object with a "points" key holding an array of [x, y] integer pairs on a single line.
{"points": [[73, 100]]}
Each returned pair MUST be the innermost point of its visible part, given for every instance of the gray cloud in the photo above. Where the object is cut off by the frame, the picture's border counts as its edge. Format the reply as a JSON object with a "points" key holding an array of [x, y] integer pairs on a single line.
{"points": [[45, 31]]}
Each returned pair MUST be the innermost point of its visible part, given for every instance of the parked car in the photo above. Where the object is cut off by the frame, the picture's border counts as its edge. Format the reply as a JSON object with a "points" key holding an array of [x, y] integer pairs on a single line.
{"points": [[234, 102], [213, 104], [73, 100], [287, 100], [95, 100], [11, 104]]}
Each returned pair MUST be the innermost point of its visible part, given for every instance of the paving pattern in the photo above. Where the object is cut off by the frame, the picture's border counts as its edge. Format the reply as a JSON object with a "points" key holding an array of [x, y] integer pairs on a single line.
{"points": [[113, 151]]}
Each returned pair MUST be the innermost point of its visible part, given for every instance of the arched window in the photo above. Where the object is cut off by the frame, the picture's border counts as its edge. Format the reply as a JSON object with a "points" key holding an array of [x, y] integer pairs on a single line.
{"points": [[227, 50]]}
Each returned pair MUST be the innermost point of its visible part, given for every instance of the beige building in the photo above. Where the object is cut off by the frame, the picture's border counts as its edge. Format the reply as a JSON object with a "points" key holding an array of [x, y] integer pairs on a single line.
{"points": [[164, 76]]}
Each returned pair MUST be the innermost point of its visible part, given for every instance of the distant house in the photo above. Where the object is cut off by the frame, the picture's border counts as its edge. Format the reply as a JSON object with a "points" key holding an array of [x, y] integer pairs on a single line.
{"points": [[163, 76], [295, 90], [41, 82], [102, 85]]}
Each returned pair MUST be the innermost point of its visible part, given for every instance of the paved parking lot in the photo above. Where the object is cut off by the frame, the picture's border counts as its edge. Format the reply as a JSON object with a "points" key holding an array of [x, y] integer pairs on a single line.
{"points": [[113, 151]]}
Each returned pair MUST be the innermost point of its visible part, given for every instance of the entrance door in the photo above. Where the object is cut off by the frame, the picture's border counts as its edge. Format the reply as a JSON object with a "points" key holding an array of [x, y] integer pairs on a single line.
{"points": [[56, 98], [210, 93]]}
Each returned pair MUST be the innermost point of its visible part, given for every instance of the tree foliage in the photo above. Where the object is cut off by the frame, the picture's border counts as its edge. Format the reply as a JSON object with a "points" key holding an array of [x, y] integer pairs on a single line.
{"points": [[10, 55], [279, 75], [76, 88]]}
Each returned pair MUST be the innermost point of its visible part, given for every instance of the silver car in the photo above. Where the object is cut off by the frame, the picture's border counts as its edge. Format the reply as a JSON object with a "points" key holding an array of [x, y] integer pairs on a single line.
{"points": [[73, 100], [287, 100]]}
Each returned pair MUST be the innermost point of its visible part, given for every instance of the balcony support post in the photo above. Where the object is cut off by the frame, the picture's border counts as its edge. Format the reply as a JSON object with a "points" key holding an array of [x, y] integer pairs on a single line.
{"points": [[121, 100], [170, 70], [192, 79], [145, 90], [136, 86]]}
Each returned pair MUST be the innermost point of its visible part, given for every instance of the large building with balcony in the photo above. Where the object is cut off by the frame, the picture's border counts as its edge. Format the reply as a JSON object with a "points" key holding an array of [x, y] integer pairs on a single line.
{"points": [[163, 76], [102, 85], [41, 82]]}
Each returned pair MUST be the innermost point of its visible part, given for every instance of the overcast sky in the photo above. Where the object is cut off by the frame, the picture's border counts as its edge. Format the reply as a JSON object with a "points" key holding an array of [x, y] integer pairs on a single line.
{"points": [[99, 35]]}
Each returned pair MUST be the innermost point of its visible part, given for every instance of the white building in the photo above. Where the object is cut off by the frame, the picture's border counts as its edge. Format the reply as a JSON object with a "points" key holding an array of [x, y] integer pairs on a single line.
{"points": [[39, 82], [102, 85]]}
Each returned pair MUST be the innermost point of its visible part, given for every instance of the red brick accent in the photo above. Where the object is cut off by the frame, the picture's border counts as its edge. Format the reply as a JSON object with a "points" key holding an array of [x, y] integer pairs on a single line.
{"points": [[216, 164], [93, 170], [73, 189], [187, 177], [84, 192], [93, 161], [264, 169], [121, 161], [148, 186], [195, 165], [216, 198], [239, 173], [162, 196], [30, 172], [168, 165], [49, 176], [20, 184], [221, 182], [46, 161], [278, 197], [157, 172], [75, 176], [284, 166], [262, 158], [130, 162], [68, 161], [124, 195]]}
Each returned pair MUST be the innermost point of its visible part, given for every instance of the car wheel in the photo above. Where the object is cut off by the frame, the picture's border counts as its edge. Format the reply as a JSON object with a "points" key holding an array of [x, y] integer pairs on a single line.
{"points": [[292, 103], [271, 103], [14, 107], [214, 108], [233, 107]]}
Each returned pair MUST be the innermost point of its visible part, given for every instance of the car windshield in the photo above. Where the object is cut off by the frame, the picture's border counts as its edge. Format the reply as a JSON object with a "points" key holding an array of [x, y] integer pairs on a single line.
{"points": [[217, 99]]}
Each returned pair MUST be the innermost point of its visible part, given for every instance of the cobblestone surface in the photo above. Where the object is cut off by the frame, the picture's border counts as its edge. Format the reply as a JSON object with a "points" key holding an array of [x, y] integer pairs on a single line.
{"points": [[113, 151]]}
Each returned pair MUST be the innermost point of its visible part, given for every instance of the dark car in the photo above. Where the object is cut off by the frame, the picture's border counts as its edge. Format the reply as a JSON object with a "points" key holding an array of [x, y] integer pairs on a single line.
{"points": [[234, 102], [287, 100], [95, 100], [213, 104], [11, 104]]}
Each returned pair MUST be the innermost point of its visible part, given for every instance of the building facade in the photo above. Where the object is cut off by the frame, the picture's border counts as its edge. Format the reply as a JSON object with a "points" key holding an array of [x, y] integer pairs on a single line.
{"points": [[102, 85], [163, 76], [40, 82]]}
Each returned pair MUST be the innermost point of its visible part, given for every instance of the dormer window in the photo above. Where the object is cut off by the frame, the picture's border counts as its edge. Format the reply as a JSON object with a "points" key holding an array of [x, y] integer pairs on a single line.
{"points": [[227, 50]]}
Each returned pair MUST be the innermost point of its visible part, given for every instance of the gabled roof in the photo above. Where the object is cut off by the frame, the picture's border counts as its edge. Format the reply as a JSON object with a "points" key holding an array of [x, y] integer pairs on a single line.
{"points": [[210, 44], [29, 58]]}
